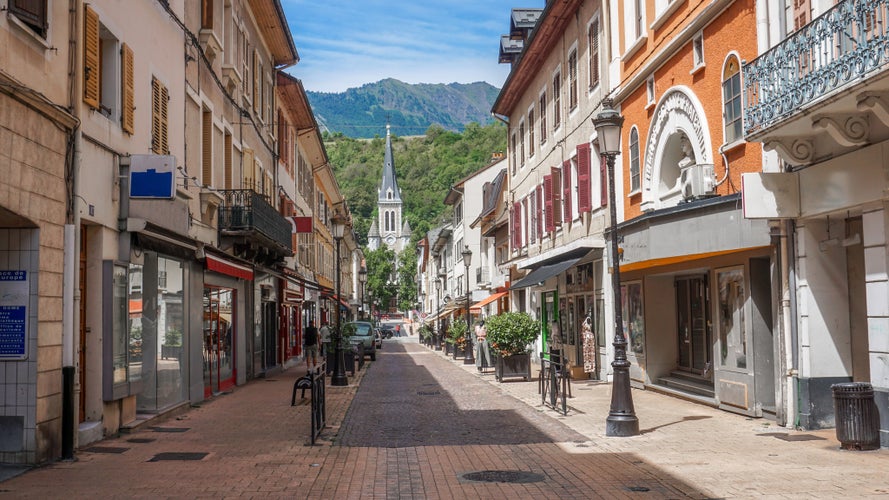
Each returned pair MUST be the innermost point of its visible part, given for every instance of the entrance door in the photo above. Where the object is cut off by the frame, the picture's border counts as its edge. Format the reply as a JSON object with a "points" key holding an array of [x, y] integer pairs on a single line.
{"points": [[693, 313], [219, 373], [83, 329]]}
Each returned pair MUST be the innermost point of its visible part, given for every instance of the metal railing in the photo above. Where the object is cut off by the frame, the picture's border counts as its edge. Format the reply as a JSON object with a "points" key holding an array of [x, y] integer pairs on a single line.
{"points": [[481, 275], [554, 383], [247, 210], [844, 45]]}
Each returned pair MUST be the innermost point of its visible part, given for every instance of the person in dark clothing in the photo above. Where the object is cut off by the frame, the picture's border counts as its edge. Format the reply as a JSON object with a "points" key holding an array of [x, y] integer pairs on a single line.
{"points": [[310, 343]]}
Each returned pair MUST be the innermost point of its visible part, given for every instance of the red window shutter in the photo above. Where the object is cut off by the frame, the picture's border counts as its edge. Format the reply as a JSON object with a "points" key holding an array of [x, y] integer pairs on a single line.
{"points": [[540, 211], [583, 178], [603, 172], [566, 191], [517, 225], [557, 196], [548, 202]]}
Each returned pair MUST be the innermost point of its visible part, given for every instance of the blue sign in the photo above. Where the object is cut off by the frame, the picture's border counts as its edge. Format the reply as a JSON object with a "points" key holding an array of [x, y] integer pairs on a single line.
{"points": [[152, 176], [14, 291]]}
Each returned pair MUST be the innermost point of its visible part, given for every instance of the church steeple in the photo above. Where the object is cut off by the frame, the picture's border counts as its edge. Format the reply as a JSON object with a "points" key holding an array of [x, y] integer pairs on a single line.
{"points": [[387, 229], [389, 187]]}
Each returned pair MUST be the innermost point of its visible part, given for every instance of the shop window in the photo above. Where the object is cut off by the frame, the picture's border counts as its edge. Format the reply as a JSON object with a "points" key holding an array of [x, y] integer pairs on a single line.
{"points": [[633, 316], [732, 321]]}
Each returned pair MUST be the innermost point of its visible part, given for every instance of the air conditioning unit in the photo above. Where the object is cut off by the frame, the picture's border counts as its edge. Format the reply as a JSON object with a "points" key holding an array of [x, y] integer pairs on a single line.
{"points": [[697, 181]]}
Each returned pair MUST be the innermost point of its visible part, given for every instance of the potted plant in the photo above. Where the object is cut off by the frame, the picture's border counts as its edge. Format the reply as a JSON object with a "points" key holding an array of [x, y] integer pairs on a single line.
{"points": [[425, 334], [510, 336], [457, 338]]}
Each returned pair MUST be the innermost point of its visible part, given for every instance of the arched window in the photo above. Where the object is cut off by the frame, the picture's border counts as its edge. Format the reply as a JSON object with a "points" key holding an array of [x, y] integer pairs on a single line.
{"points": [[635, 184], [731, 99]]}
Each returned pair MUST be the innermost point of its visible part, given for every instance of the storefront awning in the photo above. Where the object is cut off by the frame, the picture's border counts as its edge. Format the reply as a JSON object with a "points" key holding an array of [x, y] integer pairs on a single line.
{"points": [[544, 273], [487, 300], [228, 267]]}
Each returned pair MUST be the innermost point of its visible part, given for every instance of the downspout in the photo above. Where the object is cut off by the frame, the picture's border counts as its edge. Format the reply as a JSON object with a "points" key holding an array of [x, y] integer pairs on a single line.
{"points": [[794, 325]]}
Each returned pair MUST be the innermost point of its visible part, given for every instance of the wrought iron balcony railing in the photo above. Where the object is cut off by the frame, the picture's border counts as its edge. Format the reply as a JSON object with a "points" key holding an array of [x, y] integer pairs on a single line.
{"points": [[844, 45], [244, 210], [481, 275]]}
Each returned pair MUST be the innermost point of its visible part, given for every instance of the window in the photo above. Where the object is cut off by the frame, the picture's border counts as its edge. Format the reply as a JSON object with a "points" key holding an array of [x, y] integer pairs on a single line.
{"points": [[638, 18], [801, 13], [160, 99], [731, 99], [572, 80], [697, 44], [557, 101], [458, 212], [32, 13], [247, 168], [634, 160], [542, 108], [207, 14], [634, 319], [513, 153], [732, 327], [227, 160], [567, 213], [593, 39], [532, 216], [531, 125], [649, 90], [101, 60]]}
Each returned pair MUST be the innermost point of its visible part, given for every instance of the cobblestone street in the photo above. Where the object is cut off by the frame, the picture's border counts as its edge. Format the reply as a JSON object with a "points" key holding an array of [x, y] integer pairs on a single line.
{"points": [[415, 424]]}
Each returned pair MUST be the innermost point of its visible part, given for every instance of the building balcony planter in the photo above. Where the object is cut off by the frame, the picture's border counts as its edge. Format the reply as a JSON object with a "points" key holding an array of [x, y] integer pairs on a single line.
{"points": [[516, 365]]}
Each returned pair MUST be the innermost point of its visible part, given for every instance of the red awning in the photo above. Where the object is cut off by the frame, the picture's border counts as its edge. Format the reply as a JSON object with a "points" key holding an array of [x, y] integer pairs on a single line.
{"points": [[228, 267], [487, 300]]}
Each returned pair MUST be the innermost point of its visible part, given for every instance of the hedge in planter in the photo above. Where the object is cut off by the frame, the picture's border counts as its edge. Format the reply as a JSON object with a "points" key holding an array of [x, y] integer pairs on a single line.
{"points": [[457, 338], [510, 336]]}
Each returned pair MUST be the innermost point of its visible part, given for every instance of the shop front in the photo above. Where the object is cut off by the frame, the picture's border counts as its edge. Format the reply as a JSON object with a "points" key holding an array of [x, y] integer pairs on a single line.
{"points": [[227, 284]]}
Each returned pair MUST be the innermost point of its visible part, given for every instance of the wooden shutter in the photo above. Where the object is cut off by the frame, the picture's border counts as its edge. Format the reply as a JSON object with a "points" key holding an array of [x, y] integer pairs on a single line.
{"points": [[247, 167], [126, 89], [566, 191], [207, 14], [257, 80], [164, 122], [517, 224], [32, 12], [227, 144], [594, 53], [584, 202], [540, 211], [157, 117], [557, 196], [91, 75], [207, 148], [603, 182], [548, 202], [801, 10]]}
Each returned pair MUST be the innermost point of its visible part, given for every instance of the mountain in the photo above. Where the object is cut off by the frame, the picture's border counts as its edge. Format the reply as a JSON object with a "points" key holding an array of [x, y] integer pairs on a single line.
{"points": [[363, 112]]}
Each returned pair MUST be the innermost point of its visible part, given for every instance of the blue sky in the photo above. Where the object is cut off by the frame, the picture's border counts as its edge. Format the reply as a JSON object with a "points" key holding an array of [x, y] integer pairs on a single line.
{"points": [[347, 43]]}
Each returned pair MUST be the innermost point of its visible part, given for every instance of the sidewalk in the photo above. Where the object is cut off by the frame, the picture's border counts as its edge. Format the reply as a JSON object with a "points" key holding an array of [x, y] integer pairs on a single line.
{"points": [[723, 453]]}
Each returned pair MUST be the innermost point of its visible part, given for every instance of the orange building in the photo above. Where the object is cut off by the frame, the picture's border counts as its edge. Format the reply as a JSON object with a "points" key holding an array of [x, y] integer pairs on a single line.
{"points": [[696, 275]]}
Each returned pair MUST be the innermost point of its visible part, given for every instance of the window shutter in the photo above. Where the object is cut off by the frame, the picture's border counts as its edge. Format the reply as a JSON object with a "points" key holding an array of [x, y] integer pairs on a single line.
{"points": [[91, 76], [247, 166], [257, 175], [517, 224], [540, 211], [594, 53], [155, 116], [227, 158], [207, 148], [603, 174], [557, 196], [801, 10], [126, 89], [164, 123], [548, 202], [33, 12], [257, 80], [566, 191], [584, 202]]}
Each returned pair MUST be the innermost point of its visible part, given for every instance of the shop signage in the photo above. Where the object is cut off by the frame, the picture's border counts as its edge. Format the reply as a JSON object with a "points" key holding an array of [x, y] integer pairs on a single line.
{"points": [[152, 176], [13, 315]]}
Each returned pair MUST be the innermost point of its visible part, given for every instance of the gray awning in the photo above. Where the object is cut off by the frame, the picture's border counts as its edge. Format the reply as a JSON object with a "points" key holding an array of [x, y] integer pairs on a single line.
{"points": [[544, 273]]}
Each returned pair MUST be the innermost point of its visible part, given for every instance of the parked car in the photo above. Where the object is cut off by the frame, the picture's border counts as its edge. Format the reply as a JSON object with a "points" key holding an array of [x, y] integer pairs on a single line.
{"points": [[388, 330], [378, 336], [364, 332]]}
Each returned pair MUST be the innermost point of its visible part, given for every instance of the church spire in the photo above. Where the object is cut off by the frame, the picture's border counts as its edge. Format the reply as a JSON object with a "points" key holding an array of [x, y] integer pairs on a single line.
{"points": [[389, 187]]}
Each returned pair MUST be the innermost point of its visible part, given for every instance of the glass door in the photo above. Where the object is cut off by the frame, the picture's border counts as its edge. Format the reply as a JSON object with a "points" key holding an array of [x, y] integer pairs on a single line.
{"points": [[692, 312], [218, 331]]}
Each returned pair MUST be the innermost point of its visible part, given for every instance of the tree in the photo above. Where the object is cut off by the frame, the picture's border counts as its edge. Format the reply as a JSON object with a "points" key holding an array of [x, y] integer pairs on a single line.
{"points": [[407, 278], [381, 286]]}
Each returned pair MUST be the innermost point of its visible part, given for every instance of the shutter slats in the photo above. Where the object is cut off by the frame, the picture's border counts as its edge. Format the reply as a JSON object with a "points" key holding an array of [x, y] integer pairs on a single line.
{"points": [[567, 213], [227, 144], [155, 116], [548, 202], [207, 148], [164, 106], [540, 211], [583, 178], [127, 89], [91, 74], [556, 196]]}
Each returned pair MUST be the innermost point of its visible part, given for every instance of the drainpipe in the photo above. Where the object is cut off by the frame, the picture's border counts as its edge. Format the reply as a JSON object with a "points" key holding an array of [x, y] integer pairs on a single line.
{"points": [[788, 326]]}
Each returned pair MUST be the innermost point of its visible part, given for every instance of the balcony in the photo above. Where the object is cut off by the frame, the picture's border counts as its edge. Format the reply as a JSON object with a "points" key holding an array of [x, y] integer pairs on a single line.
{"points": [[251, 225], [821, 82], [481, 276]]}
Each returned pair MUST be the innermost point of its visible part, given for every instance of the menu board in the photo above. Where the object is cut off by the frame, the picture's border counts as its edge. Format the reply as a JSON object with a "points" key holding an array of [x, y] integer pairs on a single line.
{"points": [[13, 315]]}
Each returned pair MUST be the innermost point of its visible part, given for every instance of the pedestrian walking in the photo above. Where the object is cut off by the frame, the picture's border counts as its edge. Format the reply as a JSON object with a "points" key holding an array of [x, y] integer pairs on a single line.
{"points": [[310, 345], [325, 339]]}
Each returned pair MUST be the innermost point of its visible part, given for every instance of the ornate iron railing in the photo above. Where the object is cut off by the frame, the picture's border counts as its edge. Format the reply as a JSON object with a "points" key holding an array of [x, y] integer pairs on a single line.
{"points": [[247, 210], [842, 46]]}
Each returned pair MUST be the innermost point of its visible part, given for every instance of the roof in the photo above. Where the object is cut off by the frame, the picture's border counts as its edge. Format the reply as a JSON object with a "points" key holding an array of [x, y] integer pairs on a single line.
{"points": [[275, 31]]}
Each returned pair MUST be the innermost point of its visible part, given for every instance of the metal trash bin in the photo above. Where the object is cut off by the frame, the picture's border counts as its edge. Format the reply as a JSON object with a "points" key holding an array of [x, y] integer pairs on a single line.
{"points": [[857, 417]]}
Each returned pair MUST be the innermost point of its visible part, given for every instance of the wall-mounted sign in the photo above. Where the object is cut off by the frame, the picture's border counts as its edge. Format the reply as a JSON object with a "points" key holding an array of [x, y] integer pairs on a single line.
{"points": [[152, 176], [14, 292], [301, 224]]}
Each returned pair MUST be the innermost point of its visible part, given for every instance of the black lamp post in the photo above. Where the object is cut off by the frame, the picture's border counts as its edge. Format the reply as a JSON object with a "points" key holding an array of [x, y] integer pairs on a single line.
{"points": [[362, 280], [622, 420], [338, 227], [437, 336], [469, 357]]}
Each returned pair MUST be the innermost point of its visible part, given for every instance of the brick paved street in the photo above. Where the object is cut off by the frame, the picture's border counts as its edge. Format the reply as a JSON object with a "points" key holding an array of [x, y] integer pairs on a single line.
{"points": [[419, 421]]}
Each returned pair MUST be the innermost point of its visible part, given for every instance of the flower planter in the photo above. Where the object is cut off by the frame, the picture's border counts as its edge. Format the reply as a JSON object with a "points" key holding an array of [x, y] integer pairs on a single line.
{"points": [[458, 352], [449, 348], [517, 365], [436, 342]]}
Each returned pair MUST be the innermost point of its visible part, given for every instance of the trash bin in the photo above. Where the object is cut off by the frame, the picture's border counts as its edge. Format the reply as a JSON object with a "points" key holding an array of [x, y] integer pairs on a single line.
{"points": [[857, 417]]}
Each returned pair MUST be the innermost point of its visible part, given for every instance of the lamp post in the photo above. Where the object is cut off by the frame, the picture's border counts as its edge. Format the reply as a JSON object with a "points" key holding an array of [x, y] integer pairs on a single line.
{"points": [[362, 280], [621, 420], [469, 357], [436, 337], [338, 227]]}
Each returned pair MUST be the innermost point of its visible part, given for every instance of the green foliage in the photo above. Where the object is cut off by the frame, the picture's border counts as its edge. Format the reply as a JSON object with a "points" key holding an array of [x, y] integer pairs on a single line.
{"points": [[173, 337], [424, 332], [457, 334], [407, 279], [380, 286], [511, 332]]}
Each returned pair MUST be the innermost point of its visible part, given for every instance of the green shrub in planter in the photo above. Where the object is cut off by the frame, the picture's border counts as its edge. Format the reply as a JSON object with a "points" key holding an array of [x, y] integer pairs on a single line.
{"points": [[424, 332], [457, 334], [511, 333]]}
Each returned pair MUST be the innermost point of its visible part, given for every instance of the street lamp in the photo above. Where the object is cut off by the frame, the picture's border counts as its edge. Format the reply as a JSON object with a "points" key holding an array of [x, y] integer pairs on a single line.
{"points": [[362, 280], [436, 337], [338, 227], [621, 420], [469, 357]]}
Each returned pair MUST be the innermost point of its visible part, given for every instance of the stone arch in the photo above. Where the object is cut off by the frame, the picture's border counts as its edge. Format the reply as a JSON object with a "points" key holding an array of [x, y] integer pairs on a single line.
{"points": [[678, 115]]}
